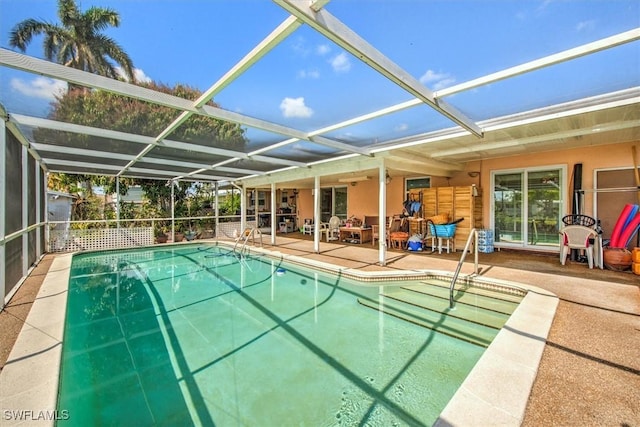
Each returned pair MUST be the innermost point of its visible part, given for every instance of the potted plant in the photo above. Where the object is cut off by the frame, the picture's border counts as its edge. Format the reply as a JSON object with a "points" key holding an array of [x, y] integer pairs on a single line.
{"points": [[161, 235], [190, 234]]}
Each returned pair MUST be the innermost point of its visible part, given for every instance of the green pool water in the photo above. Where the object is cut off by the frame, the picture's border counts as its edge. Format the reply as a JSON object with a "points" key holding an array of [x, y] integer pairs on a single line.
{"points": [[195, 335]]}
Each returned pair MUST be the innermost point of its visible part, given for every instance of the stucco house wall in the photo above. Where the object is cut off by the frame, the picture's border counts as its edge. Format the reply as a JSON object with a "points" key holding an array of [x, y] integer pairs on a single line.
{"points": [[362, 198], [592, 159]]}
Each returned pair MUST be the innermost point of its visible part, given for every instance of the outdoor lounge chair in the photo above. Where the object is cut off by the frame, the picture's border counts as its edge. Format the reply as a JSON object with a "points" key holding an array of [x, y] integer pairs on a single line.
{"points": [[577, 237]]}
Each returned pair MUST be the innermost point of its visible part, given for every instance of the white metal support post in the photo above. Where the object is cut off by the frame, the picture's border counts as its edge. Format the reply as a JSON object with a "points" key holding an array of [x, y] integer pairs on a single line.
{"points": [[118, 204], [173, 210], [3, 192], [382, 214], [216, 212], [243, 209], [47, 234], [38, 207], [25, 210], [274, 217], [316, 214]]}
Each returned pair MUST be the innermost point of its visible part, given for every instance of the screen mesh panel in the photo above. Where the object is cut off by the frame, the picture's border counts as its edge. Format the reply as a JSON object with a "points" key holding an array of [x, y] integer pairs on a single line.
{"points": [[31, 209], [13, 264], [13, 196]]}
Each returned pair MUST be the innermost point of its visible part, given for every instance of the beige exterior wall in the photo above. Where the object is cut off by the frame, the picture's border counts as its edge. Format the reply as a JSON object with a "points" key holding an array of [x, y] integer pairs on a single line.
{"points": [[592, 158], [305, 205], [362, 199]]}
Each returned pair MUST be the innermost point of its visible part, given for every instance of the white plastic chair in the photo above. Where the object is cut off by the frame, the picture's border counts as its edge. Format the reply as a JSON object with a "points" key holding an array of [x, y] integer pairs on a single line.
{"points": [[333, 229], [576, 237]]}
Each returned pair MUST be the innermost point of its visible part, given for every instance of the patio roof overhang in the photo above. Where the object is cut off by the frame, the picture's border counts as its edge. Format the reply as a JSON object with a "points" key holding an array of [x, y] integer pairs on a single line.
{"points": [[608, 118]]}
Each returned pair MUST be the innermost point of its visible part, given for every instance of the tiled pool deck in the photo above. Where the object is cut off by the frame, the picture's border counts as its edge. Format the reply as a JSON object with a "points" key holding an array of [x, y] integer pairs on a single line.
{"points": [[583, 378]]}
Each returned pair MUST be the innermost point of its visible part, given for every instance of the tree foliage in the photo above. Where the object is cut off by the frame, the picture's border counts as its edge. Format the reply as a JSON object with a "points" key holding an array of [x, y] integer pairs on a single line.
{"points": [[106, 110], [78, 41], [101, 109]]}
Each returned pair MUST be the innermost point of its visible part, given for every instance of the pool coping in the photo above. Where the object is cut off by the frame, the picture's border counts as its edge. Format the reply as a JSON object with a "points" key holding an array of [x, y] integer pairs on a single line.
{"points": [[29, 379], [496, 391]]}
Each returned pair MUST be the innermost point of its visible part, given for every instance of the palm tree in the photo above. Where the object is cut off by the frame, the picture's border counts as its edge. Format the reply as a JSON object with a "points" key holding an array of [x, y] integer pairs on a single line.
{"points": [[78, 43]]}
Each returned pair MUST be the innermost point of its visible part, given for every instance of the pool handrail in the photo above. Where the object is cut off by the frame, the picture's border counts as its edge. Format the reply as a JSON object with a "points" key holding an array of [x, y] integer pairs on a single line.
{"points": [[473, 234], [246, 234]]}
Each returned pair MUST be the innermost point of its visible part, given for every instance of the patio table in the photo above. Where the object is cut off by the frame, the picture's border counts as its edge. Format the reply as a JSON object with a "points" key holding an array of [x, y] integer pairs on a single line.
{"points": [[356, 234]]}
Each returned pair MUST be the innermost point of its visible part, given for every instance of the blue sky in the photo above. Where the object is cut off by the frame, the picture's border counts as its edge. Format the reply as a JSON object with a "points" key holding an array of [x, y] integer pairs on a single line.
{"points": [[308, 82]]}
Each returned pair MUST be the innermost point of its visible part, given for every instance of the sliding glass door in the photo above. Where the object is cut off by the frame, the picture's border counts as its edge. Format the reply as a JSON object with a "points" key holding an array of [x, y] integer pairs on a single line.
{"points": [[333, 202], [527, 206]]}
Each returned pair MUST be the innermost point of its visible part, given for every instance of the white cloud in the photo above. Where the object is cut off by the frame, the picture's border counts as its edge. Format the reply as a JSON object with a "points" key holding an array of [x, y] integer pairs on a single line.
{"points": [[444, 83], [294, 107], [586, 25], [308, 74], [436, 81], [431, 76], [299, 46], [141, 77], [544, 4], [401, 127], [40, 87], [323, 49], [341, 63]]}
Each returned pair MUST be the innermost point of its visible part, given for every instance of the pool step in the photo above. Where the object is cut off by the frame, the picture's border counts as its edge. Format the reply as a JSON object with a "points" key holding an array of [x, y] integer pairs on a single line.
{"points": [[470, 296], [496, 295], [458, 328], [476, 317], [476, 314]]}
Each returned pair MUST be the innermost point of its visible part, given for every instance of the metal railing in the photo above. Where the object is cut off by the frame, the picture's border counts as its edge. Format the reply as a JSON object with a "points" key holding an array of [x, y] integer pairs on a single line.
{"points": [[246, 235], [474, 235]]}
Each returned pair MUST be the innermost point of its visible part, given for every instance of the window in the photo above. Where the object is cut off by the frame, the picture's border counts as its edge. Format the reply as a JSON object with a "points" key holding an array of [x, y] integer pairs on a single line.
{"points": [[423, 182], [527, 206]]}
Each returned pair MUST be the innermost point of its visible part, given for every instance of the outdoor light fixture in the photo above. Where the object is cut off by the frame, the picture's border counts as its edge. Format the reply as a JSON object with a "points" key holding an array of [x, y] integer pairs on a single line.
{"points": [[387, 178]]}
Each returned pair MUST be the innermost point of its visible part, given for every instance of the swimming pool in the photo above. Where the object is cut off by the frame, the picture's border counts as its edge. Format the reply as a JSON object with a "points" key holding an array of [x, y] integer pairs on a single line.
{"points": [[196, 334]]}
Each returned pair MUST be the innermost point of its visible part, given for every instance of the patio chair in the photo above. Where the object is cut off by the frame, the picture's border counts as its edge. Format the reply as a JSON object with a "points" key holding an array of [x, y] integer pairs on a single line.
{"points": [[577, 237], [308, 227], [333, 229], [375, 231], [375, 234], [394, 225], [397, 235]]}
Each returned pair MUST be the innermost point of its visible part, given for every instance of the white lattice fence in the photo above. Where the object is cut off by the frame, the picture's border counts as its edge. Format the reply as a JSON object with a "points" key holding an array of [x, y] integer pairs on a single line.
{"points": [[94, 239], [226, 229]]}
